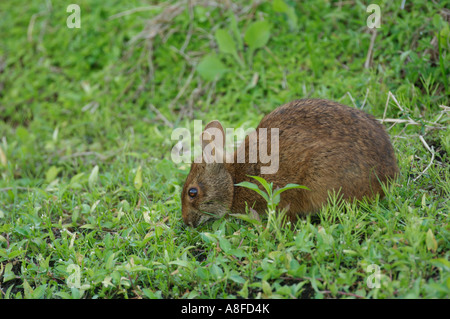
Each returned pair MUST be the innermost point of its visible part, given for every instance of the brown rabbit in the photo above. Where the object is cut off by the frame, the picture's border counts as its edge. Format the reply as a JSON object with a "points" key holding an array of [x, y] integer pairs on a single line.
{"points": [[323, 145]]}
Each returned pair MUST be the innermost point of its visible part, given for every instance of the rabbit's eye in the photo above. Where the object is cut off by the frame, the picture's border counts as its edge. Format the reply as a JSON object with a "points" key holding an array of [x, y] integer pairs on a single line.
{"points": [[192, 192]]}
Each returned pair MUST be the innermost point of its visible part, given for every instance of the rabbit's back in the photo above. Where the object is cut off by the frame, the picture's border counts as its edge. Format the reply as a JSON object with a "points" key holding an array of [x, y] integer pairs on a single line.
{"points": [[325, 146]]}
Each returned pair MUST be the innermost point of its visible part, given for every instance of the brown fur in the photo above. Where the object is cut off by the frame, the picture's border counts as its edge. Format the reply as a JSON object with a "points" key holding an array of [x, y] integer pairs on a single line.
{"points": [[323, 145]]}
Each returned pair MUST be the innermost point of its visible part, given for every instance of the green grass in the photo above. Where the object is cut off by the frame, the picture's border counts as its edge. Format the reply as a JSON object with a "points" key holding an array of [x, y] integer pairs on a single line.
{"points": [[79, 219]]}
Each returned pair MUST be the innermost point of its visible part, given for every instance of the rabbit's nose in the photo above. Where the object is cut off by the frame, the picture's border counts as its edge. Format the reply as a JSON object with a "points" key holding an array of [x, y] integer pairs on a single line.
{"points": [[188, 221]]}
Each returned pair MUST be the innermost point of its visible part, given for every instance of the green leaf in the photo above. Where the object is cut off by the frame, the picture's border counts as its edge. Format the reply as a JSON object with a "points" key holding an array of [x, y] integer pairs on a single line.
{"points": [[151, 294], [253, 187], [39, 292], [224, 244], [74, 181], [211, 68], [15, 253], [75, 215], [441, 263], [244, 291], [22, 134], [88, 226], [431, 241], [63, 295], [131, 268], [289, 186], [314, 282], [8, 273], [437, 21], [181, 263], [27, 290], [227, 45], [51, 174], [266, 288], [216, 272], [264, 183], [292, 18], [208, 237], [225, 41], [239, 253], [93, 177], [281, 6], [110, 261], [328, 240], [234, 28], [3, 158], [247, 218], [202, 273], [257, 34], [237, 278], [138, 179], [444, 34]]}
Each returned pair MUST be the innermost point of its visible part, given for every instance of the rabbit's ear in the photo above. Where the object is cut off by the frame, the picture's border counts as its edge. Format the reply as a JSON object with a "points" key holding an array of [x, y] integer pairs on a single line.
{"points": [[213, 142]]}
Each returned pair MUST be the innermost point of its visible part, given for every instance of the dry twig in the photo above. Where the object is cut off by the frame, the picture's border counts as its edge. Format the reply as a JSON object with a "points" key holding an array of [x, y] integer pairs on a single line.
{"points": [[431, 150], [160, 115], [369, 57]]}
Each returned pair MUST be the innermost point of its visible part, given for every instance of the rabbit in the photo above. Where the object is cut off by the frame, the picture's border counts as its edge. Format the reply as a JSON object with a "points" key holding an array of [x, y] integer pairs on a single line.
{"points": [[323, 145]]}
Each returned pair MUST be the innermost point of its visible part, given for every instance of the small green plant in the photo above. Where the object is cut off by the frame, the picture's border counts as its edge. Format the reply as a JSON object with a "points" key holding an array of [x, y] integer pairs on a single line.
{"points": [[281, 7], [227, 45], [256, 37], [211, 68], [272, 197]]}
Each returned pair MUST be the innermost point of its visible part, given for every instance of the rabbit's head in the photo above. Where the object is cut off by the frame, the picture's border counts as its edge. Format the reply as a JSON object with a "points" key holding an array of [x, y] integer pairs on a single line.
{"points": [[208, 190]]}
